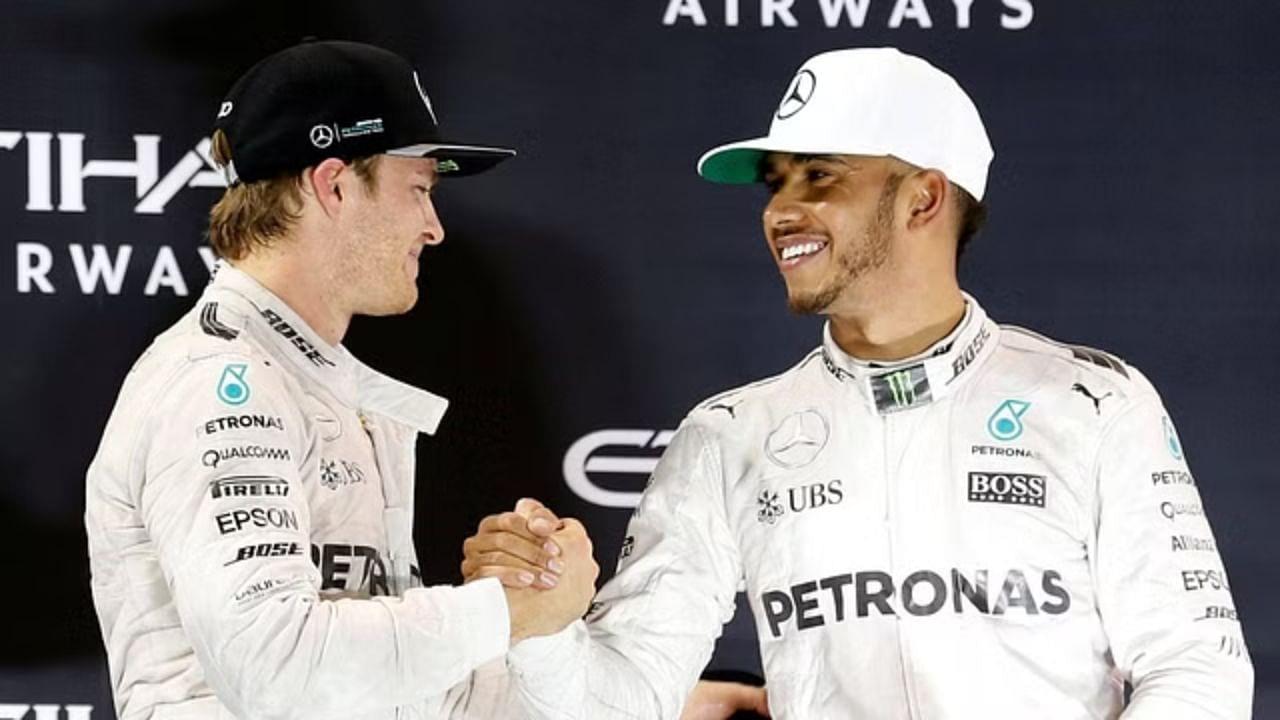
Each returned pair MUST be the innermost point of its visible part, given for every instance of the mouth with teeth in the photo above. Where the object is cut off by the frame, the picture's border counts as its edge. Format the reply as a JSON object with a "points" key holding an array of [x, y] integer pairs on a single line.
{"points": [[794, 254]]}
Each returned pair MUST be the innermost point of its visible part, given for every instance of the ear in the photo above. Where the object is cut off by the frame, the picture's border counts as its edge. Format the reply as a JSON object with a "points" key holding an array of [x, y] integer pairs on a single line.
{"points": [[926, 193], [327, 183]]}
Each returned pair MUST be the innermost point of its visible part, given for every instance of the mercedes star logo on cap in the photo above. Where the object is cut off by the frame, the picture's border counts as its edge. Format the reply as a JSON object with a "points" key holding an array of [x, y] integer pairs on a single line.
{"points": [[797, 95], [322, 136]]}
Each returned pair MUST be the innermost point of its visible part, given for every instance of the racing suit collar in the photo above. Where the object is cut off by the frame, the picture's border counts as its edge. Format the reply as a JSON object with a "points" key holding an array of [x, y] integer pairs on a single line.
{"points": [[923, 378], [291, 339]]}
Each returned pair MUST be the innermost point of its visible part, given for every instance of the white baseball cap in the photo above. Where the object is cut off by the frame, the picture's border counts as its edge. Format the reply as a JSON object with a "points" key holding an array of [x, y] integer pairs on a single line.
{"points": [[868, 101]]}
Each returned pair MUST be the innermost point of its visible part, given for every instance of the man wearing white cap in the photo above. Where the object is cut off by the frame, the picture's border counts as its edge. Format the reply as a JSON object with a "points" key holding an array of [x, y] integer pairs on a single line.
{"points": [[933, 516]]}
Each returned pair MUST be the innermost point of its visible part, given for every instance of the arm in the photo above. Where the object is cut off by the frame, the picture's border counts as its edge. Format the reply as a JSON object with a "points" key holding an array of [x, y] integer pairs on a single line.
{"points": [[1162, 591], [654, 625], [233, 541], [521, 549], [489, 694]]}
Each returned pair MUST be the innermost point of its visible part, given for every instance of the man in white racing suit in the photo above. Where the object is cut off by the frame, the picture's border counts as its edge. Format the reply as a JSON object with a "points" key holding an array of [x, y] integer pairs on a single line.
{"points": [[249, 510], [932, 515]]}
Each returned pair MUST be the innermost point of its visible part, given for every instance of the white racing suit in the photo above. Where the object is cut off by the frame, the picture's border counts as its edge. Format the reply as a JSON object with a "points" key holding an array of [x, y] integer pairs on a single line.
{"points": [[1004, 527], [249, 515]]}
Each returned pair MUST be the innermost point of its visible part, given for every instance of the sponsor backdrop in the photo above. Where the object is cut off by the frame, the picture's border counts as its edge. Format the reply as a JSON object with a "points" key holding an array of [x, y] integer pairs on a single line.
{"points": [[592, 290]]}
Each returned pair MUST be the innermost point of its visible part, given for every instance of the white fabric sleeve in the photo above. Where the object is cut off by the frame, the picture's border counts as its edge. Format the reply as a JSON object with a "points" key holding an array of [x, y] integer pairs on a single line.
{"points": [[234, 547], [1163, 594], [654, 625]]}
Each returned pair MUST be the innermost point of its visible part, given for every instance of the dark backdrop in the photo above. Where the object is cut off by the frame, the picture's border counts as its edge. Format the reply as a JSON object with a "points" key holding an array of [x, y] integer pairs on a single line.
{"points": [[595, 282]]}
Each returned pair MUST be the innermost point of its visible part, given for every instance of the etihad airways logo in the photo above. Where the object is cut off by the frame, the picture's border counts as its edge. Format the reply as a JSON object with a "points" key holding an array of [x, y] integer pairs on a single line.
{"points": [[22, 711], [153, 191], [101, 268], [41, 268], [891, 14]]}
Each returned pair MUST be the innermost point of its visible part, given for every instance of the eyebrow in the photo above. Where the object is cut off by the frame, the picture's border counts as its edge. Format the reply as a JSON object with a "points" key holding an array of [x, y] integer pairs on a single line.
{"points": [[806, 157], [767, 163]]}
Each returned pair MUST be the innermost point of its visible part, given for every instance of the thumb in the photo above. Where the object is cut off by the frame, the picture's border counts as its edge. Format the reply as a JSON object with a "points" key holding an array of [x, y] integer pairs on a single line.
{"points": [[542, 522], [526, 506]]}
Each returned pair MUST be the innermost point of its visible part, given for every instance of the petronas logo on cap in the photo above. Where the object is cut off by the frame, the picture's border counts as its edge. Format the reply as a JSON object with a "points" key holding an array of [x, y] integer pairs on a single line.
{"points": [[798, 94]]}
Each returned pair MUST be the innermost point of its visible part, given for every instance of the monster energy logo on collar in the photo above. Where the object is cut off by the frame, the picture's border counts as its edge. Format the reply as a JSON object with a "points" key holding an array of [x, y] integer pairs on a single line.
{"points": [[901, 389], [900, 385]]}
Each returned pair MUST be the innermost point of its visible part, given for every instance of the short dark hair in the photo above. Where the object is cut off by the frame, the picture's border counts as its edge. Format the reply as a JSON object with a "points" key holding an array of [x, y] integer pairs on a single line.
{"points": [[973, 215]]}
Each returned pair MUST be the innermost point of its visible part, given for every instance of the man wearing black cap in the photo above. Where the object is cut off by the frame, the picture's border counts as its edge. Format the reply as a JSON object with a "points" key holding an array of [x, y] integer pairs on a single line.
{"points": [[249, 510]]}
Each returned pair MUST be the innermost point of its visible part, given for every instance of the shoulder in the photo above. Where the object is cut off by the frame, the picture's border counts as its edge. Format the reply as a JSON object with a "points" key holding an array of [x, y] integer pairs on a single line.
{"points": [[205, 340], [1035, 359], [750, 398], [206, 364], [208, 330], [193, 389]]}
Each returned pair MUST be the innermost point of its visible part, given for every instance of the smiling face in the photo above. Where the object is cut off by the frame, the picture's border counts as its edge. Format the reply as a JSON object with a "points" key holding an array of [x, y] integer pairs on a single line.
{"points": [[390, 224], [829, 223]]}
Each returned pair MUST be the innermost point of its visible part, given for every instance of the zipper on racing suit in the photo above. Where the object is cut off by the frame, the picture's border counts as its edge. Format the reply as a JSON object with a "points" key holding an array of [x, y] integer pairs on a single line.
{"points": [[891, 462]]}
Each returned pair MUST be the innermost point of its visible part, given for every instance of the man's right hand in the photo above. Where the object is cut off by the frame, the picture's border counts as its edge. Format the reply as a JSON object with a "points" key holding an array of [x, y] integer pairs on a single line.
{"points": [[508, 546], [516, 547]]}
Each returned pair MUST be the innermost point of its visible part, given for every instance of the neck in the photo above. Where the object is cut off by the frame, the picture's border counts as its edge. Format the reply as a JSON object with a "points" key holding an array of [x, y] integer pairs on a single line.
{"points": [[900, 325], [306, 291]]}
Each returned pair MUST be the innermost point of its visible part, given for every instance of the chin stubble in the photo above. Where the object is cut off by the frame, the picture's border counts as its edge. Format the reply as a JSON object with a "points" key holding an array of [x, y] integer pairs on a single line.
{"points": [[856, 261]]}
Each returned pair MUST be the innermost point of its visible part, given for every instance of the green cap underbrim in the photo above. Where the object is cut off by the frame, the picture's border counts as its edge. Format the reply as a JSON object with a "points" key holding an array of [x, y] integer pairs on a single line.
{"points": [[732, 166]]}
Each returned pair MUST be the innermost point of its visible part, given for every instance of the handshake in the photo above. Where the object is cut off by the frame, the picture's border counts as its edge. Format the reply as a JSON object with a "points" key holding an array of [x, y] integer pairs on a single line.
{"points": [[544, 563], [549, 575]]}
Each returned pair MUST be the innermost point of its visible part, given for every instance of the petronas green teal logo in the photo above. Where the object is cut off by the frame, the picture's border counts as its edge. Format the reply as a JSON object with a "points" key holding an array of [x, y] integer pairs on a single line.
{"points": [[233, 388], [1006, 422], [1171, 438], [904, 391]]}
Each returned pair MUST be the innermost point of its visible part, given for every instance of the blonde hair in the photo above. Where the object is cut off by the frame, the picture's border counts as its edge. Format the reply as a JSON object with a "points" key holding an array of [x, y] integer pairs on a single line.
{"points": [[254, 215]]}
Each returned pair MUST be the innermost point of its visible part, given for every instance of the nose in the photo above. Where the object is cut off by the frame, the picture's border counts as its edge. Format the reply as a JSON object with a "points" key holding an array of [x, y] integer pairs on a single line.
{"points": [[783, 211], [433, 229]]}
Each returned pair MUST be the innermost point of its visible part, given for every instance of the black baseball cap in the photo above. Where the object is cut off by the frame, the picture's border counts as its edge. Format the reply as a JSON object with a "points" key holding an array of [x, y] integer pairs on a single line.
{"points": [[337, 99]]}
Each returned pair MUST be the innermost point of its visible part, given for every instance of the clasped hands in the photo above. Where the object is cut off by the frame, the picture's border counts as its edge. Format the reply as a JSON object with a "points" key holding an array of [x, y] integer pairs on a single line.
{"points": [[547, 570], [544, 563]]}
